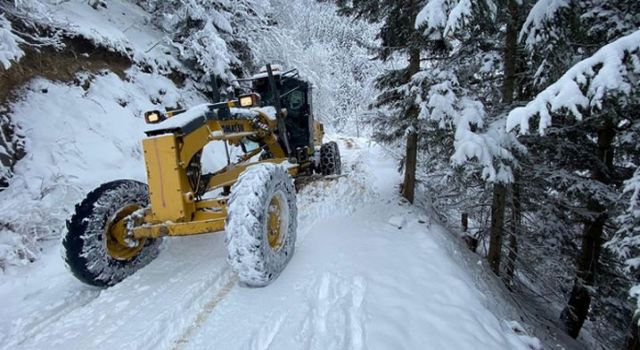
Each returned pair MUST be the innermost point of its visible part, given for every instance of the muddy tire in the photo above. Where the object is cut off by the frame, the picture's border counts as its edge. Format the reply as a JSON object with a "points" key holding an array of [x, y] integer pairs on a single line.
{"points": [[261, 224], [90, 249], [330, 163]]}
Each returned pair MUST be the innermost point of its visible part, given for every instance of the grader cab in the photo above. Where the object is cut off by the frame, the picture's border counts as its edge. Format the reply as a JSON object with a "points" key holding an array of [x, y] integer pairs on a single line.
{"points": [[117, 228]]}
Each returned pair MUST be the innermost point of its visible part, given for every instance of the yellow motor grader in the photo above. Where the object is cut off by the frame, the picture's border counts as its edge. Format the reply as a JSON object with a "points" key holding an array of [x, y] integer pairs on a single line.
{"points": [[118, 227]]}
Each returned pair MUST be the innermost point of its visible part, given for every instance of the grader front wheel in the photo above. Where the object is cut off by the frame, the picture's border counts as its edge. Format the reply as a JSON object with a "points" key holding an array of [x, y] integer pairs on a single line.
{"points": [[261, 224], [96, 247]]}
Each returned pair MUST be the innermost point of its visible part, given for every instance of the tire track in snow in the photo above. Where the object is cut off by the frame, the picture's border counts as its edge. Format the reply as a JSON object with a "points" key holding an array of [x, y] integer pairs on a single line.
{"points": [[335, 316], [206, 311], [35, 325], [264, 339], [265, 336], [307, 220]]}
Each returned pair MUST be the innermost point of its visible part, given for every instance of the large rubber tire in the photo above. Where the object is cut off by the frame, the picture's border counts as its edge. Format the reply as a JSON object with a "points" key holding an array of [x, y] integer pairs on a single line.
{"points": [[330, 163], [250, 252], [85, 244]]}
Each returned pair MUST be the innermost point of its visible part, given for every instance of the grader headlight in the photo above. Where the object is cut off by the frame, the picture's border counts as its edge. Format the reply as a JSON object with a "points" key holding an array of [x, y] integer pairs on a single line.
{"points": [[154, 117], [247, 101]]}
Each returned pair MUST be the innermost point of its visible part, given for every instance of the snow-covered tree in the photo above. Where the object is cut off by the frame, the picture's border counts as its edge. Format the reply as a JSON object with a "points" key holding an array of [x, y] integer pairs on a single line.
{"points": [[329, 50], [626, 244], [453, 48], [600, 93], [609, 75], [211, 35]]}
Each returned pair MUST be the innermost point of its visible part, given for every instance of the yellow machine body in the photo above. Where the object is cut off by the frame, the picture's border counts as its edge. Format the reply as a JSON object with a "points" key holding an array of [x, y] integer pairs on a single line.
{"points": [[175, 209]]}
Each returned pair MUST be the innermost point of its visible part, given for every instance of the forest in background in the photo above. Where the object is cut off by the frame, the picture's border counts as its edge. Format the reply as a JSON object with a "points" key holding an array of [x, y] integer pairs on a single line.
{"points": [[527, 120], [526, 114]]}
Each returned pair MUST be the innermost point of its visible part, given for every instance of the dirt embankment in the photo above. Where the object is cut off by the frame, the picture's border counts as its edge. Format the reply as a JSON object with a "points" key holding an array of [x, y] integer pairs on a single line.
{"points": [[78, 55]]}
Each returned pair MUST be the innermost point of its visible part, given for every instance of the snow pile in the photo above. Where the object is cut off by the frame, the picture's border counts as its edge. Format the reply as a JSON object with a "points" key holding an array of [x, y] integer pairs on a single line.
{"points": [[76, 140], [9, 49], [612, 70], [326, 197]]}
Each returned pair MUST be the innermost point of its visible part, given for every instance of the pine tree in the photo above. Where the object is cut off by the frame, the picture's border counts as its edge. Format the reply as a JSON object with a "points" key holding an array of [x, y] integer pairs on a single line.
{"points": [[600, 92], [398, 37], [446, 98]]}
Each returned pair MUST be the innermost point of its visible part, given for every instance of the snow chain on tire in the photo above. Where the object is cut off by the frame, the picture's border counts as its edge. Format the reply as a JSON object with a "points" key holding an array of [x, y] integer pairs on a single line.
{"points": [[330, 163], [252, 253], [85, 243]]}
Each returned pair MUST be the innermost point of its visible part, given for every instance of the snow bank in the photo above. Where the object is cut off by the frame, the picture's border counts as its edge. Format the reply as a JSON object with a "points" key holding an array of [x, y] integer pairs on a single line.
{"points": [[121, 27], [75, 140]]}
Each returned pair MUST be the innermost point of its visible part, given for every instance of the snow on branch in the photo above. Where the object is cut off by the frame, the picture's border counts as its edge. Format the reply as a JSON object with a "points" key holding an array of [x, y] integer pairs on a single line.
{"points": [[433, 18], [9, 49], [445, 104], [586, 85], [542, 15], [626, 242], [444, 18]]}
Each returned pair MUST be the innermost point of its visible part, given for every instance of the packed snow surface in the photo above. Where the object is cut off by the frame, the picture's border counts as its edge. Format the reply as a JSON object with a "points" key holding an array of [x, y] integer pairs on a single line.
{"points": [[356, 281]]}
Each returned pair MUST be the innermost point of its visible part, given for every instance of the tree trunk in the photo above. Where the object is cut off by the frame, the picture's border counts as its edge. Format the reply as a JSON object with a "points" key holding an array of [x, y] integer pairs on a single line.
{"points": [[516, 219], [414, 49], [497, 227], [633, 339], [409, 185], [414, 62], [510, 52], [575, 313], [465, 222], [499, 190]]}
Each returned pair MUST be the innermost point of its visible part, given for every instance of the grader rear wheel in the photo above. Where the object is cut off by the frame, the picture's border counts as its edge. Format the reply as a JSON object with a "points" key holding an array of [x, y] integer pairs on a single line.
{"points": [[330, 162], [96, 247], [261, 224]]}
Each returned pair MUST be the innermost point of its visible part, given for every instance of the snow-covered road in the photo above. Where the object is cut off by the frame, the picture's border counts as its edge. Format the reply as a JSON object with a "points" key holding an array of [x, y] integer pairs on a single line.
{"points": [[357, 281]]}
